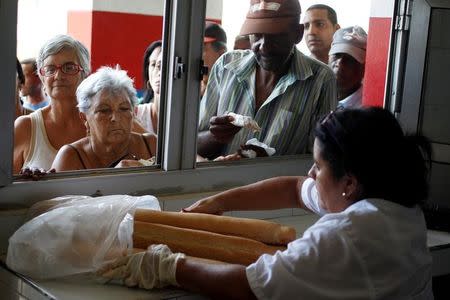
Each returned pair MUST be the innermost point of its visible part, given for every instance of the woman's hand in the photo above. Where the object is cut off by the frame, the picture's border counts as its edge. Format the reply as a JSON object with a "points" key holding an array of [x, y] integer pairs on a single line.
{"points": [[206, 206], [34, 173], [154, 268]]}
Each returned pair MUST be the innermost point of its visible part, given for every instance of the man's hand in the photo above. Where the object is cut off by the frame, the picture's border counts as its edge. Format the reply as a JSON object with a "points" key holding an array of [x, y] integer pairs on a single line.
{"points": [[154, 268], [222, 129]]}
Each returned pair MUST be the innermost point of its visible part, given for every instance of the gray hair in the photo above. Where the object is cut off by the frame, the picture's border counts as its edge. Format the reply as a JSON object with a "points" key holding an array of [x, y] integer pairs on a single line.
{"points": [[62, 42], [108, 79]]}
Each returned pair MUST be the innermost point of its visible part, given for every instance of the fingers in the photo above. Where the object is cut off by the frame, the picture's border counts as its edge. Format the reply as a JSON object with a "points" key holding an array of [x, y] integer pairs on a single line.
{"points": [[34, 173], [205, 206], [222, 129]]}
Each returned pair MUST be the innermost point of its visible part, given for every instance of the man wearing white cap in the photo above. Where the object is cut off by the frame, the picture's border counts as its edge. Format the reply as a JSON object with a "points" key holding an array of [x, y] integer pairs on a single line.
{"points": [[347, 60], [275, 84]]}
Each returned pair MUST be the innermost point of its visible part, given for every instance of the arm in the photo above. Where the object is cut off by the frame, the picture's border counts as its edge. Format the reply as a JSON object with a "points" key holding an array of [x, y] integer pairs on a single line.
{"points": [[274, 193], [22, 136], [217, 280]]}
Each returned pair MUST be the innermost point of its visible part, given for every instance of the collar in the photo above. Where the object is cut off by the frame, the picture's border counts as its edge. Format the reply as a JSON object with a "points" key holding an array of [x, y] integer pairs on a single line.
{"points": [[299, 69]]}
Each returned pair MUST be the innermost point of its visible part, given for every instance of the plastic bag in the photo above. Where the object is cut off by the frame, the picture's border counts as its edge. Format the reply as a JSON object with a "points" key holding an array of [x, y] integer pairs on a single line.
{"points": [[76, 236]]}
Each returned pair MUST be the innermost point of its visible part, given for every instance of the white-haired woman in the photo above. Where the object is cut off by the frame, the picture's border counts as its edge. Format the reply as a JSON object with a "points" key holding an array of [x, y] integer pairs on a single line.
{"points": [[106, 101], [62, 63]]}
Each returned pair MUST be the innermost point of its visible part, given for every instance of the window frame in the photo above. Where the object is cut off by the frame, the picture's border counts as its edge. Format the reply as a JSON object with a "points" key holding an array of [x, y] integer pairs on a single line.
{"points": [[183, 36]]}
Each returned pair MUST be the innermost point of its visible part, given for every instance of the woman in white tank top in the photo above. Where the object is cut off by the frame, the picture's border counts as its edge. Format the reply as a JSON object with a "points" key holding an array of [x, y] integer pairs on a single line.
{"points": [[62, 64]]}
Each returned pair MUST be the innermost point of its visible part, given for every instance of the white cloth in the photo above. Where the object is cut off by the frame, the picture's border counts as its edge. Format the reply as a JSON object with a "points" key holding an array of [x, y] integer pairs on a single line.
{"points": [[144, 116], [375, 249], [42, 153], [353, 100]]}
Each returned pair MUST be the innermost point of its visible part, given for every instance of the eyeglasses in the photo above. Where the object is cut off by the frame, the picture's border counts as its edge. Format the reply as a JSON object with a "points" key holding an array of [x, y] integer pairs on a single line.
{"points": [[67, 68]]}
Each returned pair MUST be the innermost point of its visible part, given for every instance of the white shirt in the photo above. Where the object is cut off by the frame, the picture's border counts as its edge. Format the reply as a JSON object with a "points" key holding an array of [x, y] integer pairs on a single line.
{"points": [[353, 100], [375, 249]]}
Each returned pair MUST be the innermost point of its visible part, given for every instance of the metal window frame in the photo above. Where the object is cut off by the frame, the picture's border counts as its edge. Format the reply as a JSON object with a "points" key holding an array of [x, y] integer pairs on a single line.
{"points": [[179, 174]]}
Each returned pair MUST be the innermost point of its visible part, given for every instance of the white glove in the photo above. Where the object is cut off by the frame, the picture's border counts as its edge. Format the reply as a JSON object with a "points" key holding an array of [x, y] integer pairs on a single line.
{"points": [[155, 267]]}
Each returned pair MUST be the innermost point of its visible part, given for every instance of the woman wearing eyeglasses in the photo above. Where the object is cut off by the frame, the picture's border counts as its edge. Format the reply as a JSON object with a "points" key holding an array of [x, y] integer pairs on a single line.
{"points": [[367, 182], [62, 63]]}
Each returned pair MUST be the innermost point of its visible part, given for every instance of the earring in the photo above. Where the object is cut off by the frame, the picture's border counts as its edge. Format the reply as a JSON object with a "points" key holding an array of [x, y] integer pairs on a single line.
{"points": [[88, 130], [344, 194]]}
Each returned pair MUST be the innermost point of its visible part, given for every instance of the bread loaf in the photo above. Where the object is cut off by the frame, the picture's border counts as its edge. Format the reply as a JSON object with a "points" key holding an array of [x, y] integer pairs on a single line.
{"points": [[200, 243], [260, 230]]}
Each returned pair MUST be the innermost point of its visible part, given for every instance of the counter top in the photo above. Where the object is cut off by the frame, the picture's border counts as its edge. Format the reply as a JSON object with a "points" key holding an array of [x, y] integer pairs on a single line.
{"points": [[19, 287]]}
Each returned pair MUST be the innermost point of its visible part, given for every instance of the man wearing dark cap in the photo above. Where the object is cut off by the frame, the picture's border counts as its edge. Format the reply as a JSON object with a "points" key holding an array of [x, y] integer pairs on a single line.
{"points": [[284, 91], [214, 45], [347, 60]]}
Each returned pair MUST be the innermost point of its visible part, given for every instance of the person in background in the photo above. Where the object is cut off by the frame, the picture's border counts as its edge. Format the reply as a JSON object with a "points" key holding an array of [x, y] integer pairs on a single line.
{"points": [[347, 60], [320, 23], [106, 101], [31, 92], [62, 63], [20, 81], [147, 112], [370, 243], [241, 42], [284, 91], [214, 45]]}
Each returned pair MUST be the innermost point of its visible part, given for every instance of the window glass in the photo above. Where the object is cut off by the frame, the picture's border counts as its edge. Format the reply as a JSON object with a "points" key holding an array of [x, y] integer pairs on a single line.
{"points": [[279, 113], [118, 122]]}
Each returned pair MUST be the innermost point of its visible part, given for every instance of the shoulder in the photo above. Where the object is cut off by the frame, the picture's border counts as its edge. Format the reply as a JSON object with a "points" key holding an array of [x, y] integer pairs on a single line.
{"points": [[317, 68], [22, 129], [68, 157]]}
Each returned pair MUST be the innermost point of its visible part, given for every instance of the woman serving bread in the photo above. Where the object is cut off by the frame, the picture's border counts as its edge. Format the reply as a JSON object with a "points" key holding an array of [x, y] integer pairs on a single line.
{"points": [[370, 242]]}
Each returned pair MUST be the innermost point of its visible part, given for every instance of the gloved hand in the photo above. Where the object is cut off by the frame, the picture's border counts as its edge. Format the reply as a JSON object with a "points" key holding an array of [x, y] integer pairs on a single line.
{"points": [[155, 267]]}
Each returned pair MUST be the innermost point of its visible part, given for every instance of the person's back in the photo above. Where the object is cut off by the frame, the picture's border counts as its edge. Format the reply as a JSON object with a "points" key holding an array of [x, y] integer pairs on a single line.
{"points": [[386, 255]]}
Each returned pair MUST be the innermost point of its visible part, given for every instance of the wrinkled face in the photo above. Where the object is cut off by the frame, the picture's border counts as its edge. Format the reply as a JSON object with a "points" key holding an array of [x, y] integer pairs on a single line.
{"points": [[273, 51], [318, 31], [328, 187], [154, 70], [32, 81], [110, 117], [61, 85], [349, 72]]}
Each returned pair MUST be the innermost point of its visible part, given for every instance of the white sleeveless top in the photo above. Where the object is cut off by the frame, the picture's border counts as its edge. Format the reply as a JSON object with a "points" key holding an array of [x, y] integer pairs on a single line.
{"points": [[144, 116], [42, 153]]}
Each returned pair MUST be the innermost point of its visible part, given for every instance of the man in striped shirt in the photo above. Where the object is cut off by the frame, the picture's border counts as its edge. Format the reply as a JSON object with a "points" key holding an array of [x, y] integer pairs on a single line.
{"points": [[274, 83]]}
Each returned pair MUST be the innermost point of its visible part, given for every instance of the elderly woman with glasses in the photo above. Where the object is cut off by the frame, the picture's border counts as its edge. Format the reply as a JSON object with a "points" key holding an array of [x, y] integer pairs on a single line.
{"points": [[367, 182], [62, 63], [106, 101]]}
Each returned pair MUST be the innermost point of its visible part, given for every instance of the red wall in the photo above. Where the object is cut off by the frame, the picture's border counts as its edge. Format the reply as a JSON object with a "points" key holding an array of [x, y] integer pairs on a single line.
{"points": [[376, 61], [116, 38]]}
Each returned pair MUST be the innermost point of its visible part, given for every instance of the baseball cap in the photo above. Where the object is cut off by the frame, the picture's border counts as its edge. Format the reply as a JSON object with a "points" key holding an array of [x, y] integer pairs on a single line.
{"points": [[352, 41], [214, 32], [271, 17]]}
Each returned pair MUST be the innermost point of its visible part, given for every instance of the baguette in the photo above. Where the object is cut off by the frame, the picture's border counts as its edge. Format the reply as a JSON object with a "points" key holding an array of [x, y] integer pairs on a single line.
{"points": [[260, 230], [200, 243]]}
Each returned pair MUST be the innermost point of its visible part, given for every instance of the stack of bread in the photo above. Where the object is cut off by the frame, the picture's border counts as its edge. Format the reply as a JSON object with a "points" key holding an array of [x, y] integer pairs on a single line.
{"points": [[221, 238]]}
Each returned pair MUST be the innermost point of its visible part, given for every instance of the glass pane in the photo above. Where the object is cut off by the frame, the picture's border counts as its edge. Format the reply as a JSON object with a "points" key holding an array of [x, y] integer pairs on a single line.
{"points": [[269, 85], [116, 123]]}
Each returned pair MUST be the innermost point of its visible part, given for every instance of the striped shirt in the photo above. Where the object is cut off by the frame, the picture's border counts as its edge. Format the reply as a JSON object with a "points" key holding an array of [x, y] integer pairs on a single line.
{"points": [[287, 117]]}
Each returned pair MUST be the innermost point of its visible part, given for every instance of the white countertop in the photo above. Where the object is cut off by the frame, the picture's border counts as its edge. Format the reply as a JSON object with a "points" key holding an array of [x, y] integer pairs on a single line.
{"points": [[84, 288]]}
